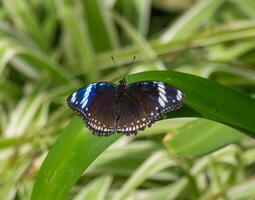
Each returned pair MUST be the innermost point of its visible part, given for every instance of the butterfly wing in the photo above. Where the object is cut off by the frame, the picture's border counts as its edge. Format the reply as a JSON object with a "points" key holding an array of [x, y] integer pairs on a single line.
{"points": [[132, 118], [95, 104], [146, 102]]}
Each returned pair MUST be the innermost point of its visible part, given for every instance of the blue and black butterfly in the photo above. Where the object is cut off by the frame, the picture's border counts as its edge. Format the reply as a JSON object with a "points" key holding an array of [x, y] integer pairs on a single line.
{"points": [[108, 108]]}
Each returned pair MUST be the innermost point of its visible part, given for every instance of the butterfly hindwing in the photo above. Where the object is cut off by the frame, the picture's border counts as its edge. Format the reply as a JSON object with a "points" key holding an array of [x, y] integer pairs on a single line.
{"points": [[132, 118], [95, 103]]}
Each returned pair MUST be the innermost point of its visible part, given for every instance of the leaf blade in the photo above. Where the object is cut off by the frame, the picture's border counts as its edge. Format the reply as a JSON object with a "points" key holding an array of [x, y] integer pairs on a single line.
{"points": [[204, 136], [53, 180], [61, 166]]}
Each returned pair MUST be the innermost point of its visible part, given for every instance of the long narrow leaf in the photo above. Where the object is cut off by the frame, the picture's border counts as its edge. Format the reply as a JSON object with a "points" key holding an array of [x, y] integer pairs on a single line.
{"points": [[204, 136], [76, 149]]}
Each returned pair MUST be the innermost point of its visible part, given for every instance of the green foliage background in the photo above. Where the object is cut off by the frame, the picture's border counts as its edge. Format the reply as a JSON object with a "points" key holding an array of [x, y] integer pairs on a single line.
{"points": [[203, 151]]}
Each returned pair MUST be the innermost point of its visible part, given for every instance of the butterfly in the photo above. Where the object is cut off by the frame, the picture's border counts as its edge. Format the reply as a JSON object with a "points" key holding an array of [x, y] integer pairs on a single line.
{"points": [[124, 108]]}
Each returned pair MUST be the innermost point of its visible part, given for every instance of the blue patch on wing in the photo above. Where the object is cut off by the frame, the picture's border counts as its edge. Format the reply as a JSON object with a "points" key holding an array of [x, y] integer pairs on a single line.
{"points": [[81, 99]]}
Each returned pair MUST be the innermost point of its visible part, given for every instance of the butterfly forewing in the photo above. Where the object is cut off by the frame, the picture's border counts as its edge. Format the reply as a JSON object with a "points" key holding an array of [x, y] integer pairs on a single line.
{"points": [[95, 103], [157, 97]]}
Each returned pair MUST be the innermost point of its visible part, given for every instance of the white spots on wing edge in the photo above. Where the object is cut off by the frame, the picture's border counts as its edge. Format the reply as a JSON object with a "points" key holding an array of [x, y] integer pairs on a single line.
{"points": [[179, 95], [73, 97], [100, 128]]}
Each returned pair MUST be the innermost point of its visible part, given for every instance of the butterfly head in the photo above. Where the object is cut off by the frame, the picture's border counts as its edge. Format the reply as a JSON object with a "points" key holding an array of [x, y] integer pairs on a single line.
{"points": [[122, 82]]}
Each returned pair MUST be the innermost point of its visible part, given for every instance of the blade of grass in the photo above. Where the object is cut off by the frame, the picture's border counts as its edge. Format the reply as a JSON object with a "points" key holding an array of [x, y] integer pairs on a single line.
{"points": [[230, 53], [114, 160], [75, 150], [240, 72], [248, 7], [135, 37], [137, 13], [43, 63], [9, 32], [9, 90], [25, 18], [78, 38], [165, 126], [169, 192], [203, 135], [146, 51], [242, 190], [156, 162], [191, 20], [11, 176], [24, 113], [97, 190], [97, 16], [7, 51], [25, 68], [236, 31]]}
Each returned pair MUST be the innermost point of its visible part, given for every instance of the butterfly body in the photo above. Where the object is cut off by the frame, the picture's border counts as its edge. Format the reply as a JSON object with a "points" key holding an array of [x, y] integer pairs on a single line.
{"points": [[119, 100], [108, 108]]}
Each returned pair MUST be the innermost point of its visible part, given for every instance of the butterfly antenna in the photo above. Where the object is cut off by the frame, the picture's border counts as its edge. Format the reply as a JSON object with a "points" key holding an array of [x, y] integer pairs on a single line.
{"points": [[129, 68], [113, 60]]}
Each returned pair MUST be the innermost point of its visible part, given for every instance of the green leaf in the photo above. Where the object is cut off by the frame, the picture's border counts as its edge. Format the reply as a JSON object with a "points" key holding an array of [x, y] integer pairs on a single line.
{"points": [[156, 162], [203, 135], [76, 149], [97, 15], [242, 190], [135, 37], [247, 6], [78, 38], [24, 113], [97, 190], [43, 63], [24, 16], [188, 23], [169, 192], [137, 13]]}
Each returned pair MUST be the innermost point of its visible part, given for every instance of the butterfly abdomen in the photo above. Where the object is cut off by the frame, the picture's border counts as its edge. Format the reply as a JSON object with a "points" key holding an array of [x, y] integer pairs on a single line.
{"points": [[119, 101]]}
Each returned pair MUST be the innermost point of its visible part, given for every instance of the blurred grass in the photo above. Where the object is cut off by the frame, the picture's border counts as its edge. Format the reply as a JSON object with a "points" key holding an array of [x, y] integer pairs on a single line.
{"points": [[50, 48]]}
